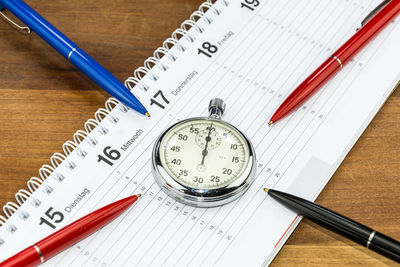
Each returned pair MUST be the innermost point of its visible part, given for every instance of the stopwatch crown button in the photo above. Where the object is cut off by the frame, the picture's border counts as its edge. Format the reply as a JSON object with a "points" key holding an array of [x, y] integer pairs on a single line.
{"points": [[216, 107]]}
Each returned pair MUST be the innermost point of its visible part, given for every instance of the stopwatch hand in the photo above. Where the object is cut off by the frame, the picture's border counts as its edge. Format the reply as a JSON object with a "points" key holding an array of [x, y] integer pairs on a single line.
{"points": [[205, 152]]}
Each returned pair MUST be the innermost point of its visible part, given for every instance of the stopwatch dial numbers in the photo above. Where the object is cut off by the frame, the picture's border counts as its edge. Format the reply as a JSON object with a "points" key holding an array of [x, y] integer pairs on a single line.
{"points": [[204, 154]]}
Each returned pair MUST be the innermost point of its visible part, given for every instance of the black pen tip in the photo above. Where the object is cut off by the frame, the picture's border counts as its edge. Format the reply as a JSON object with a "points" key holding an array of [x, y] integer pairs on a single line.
{"points": [[266, 190]]}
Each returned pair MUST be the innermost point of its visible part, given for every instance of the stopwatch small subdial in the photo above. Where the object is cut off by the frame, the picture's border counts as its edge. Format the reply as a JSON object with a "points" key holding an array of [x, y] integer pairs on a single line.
{"points": [[213, 138]]}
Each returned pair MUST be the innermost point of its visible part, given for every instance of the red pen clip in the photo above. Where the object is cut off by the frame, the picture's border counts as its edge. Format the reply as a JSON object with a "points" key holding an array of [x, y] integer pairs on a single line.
{"points": [[374, 11]]}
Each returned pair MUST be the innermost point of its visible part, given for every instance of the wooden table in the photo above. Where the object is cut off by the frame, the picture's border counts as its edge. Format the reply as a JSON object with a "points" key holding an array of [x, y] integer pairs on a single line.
{"points": [[44, 100]]}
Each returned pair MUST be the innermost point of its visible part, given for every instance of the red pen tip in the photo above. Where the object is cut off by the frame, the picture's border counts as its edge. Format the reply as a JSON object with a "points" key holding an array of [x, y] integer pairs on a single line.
{"points": [[270, 122]]}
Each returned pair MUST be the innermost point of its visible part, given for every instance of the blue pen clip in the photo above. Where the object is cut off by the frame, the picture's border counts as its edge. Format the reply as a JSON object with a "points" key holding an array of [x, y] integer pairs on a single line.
{"points": [[22, 28]]}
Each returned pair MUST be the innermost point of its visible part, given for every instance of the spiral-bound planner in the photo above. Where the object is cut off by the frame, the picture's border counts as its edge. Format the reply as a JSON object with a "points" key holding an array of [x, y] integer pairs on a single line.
{"points": [[250, 53]]}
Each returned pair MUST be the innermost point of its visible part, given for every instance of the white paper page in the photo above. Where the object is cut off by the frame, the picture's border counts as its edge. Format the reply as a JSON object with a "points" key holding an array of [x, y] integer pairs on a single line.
{"points": [[262, 55]]}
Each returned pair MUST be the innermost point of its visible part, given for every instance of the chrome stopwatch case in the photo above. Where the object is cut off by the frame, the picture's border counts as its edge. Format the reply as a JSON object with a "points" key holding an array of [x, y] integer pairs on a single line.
{"points": [[204, 161]]}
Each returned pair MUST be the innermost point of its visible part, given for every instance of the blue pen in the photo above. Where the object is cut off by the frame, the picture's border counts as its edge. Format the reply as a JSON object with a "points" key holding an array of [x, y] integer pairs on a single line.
{"points": [[73, 53]]}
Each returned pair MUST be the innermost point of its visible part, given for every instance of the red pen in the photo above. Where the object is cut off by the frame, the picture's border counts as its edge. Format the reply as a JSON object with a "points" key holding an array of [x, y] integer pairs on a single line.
{"points": [[69, 235], [333, 64]]}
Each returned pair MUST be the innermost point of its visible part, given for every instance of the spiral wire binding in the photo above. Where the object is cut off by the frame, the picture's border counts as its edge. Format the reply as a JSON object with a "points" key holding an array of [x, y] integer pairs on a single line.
{"points": [[69, 147]]}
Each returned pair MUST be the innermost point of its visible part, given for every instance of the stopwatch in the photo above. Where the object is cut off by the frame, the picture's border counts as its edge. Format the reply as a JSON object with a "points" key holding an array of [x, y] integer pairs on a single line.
{"points": [[204, 161]]}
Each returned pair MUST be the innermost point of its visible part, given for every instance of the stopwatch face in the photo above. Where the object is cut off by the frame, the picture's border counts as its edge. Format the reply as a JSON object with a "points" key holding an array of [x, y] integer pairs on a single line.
{"points": [[204, 154]]}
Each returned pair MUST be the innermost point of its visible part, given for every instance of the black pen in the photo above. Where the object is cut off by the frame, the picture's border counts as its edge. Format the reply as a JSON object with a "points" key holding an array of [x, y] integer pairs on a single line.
{"points": [[353, 230]]}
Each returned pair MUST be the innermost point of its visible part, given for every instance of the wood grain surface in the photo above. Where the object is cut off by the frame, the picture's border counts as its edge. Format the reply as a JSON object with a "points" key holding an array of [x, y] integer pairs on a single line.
{"points": [[44, 100]]}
